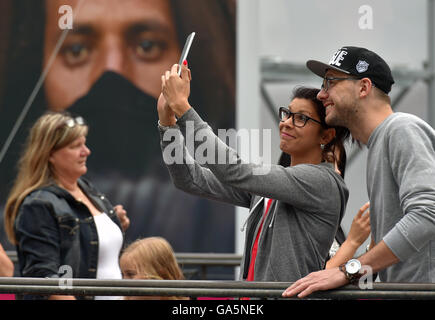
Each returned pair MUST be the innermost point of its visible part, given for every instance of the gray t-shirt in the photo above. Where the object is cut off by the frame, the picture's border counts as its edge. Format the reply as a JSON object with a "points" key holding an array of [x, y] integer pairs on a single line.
{"points": [[401, 189]]}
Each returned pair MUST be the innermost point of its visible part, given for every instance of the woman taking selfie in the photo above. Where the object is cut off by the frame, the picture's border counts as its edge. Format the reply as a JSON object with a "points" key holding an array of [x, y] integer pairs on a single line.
{"points": [[295, 210]]}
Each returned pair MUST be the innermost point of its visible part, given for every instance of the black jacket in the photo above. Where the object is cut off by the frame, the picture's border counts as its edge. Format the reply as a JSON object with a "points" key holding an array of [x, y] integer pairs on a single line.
{"points": [[53, 229]]}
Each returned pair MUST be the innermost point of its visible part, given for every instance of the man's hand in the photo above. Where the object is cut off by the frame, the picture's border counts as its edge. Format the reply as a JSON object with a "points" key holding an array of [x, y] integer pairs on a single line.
{"points": [[315, 281]]}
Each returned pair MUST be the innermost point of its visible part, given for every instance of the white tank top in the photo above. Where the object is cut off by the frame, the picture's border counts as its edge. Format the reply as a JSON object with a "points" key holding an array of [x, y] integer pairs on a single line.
{"points": [[109, 247]]}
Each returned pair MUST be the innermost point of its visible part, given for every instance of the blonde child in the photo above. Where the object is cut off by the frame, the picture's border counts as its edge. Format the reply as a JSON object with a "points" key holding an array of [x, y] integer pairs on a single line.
{"points": [[150, 258]]}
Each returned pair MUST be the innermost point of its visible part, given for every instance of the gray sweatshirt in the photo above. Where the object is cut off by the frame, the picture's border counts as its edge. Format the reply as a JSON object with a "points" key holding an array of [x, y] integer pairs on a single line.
{"points": [[301, 224], [401, 189]]}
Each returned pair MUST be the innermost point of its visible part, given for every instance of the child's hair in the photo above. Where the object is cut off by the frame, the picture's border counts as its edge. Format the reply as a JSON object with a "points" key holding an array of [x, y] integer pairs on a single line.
{"points": [[153, 258]]}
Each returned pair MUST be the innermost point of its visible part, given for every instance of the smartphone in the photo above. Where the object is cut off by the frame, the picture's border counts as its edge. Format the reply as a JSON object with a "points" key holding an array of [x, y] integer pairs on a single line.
{"points": [[185, 51]]}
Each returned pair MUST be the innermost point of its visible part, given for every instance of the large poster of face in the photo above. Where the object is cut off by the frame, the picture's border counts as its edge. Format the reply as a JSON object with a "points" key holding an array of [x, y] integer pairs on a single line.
{"points": [[102, 60]]}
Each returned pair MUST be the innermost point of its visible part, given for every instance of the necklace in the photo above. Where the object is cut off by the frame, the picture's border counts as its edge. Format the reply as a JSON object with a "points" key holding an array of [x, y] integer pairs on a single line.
{"points": [[77, 193]]}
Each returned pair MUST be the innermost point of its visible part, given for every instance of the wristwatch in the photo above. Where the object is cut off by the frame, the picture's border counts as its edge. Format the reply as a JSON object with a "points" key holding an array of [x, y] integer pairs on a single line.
{"points": [[352, 270]]}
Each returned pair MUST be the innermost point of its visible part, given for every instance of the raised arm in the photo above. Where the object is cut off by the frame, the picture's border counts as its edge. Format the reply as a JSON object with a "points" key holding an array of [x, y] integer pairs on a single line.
{"points": [[185, 172], [359, 231], [188, 175], [301, 185]]}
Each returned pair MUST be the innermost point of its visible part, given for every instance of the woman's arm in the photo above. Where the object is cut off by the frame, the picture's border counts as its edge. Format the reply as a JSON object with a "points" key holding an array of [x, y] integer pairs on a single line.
{"points": [[189, 176], [359, 232], [37, 233], [301, 185], [6, 265], [185, 172], [166, 115], [38, 240]]}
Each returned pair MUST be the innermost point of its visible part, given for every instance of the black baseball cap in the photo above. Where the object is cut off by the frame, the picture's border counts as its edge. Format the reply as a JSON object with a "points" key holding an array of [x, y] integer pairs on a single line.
{"points": [[359, 62]]}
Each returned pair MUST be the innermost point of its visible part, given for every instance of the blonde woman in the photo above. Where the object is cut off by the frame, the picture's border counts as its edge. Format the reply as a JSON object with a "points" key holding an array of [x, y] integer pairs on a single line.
{"points": [[57, 219], [150, 258]]}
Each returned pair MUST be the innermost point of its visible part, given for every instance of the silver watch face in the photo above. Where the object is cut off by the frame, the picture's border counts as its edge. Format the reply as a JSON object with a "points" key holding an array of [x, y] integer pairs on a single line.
{"points": [[353, 266]]}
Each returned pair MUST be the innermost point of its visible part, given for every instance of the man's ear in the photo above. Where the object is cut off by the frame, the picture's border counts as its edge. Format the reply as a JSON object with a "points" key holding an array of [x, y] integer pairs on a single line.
{"points": [[366, 86]]}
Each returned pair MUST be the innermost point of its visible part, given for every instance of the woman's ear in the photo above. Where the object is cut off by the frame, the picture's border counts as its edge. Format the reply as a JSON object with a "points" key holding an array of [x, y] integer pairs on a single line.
{"points": [[50, 158], [327, 136], [330, 155]]}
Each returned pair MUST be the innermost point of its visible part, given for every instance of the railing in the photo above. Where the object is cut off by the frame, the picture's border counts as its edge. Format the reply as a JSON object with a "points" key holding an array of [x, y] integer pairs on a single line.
{"points": [[199, 288], [203, 260], [210, 259], [203, 288]]}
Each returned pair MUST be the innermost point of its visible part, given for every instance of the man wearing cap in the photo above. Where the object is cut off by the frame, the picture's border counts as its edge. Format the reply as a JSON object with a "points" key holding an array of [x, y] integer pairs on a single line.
{"points": [[400, 173]]}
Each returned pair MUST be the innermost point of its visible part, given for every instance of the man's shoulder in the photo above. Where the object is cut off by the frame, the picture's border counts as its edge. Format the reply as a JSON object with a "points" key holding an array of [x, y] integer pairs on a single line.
{"points": [[403, 118], [406, 126]]}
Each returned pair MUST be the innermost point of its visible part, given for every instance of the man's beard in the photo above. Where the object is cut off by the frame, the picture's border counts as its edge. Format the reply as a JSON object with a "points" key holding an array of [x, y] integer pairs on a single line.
{"points": [[341, 116]]}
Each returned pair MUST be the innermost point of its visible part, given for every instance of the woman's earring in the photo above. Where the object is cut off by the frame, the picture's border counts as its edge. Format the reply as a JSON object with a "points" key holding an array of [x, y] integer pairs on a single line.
{"points": [[322, 146]]}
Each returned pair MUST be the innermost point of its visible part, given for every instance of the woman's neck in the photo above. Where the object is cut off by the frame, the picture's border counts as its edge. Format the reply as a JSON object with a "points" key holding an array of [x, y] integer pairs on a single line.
{"points": [[68, 184]]}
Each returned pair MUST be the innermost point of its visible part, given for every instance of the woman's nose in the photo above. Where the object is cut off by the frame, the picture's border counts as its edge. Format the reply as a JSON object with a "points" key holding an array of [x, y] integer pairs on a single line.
{"points": [[288, 122], [86, 151]]}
